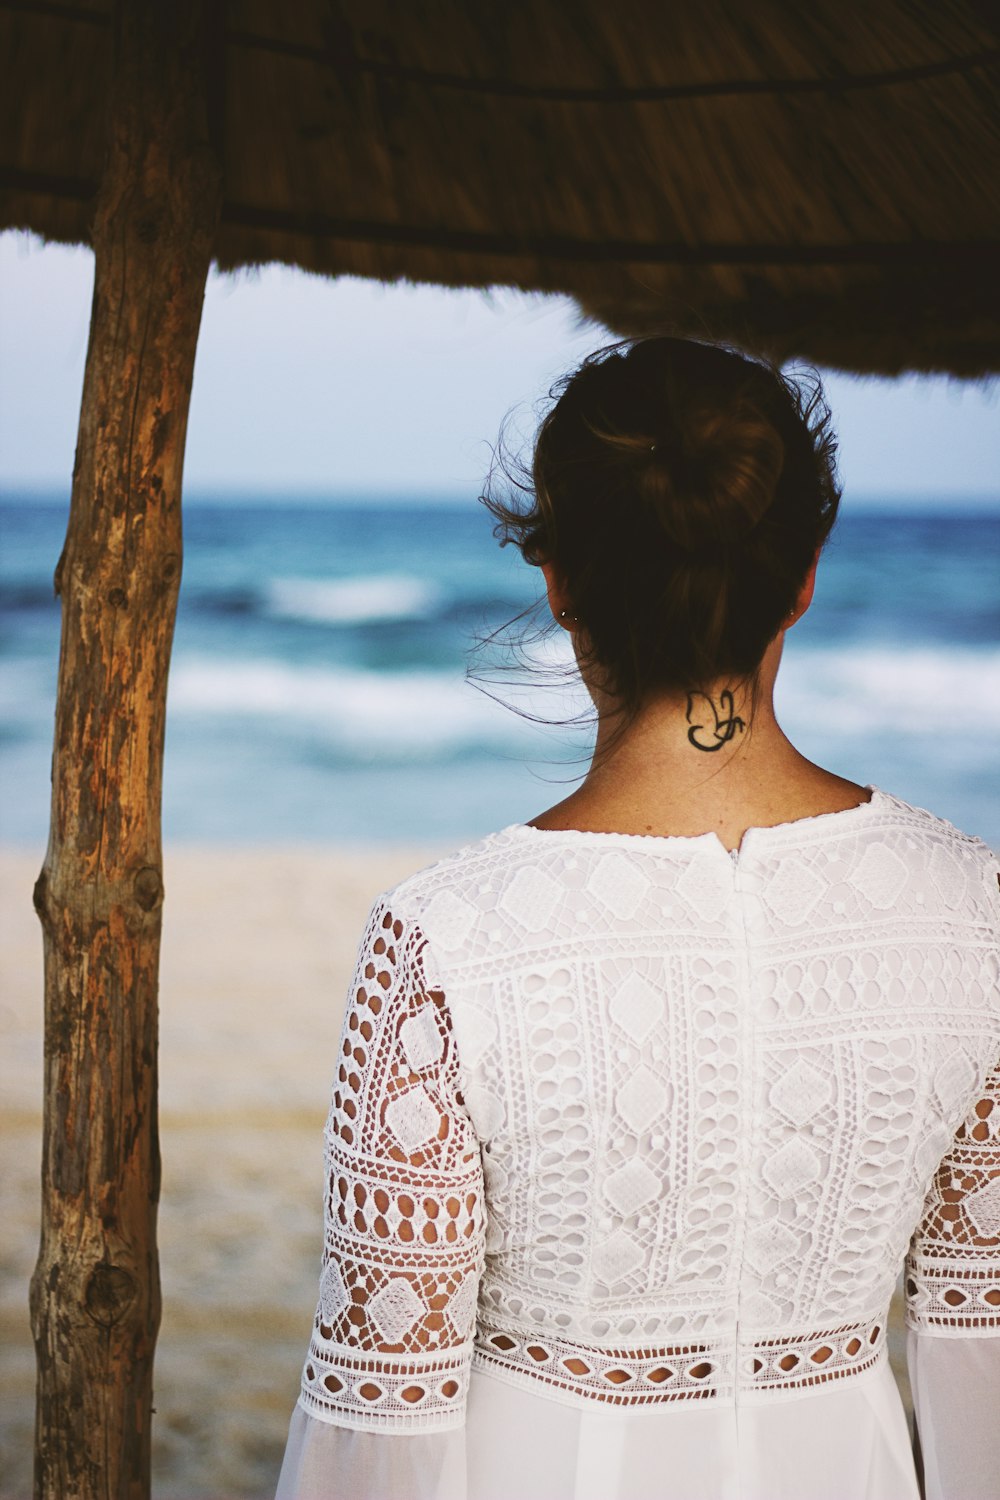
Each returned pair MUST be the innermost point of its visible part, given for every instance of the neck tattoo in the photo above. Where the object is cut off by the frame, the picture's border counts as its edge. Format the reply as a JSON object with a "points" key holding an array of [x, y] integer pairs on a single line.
{"points": [[712, 727]]}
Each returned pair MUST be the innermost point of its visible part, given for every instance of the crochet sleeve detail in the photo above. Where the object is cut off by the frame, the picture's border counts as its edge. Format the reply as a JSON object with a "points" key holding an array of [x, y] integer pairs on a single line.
{"points": [[952, 1278], [404, 1213], [952, 1273]]}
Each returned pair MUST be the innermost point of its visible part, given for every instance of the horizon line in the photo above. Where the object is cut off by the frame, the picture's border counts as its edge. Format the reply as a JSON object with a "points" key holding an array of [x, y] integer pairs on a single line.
{"points": [[56, 493]]}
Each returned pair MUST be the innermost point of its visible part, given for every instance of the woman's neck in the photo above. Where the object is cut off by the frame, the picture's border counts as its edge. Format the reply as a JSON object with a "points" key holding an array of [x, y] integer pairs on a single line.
{"points": [[704, 760]]}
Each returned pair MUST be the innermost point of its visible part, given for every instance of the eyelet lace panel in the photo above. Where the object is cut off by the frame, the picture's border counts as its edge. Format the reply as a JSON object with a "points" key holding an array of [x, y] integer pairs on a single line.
{"points": [[689, 1372], [391, 1340], [710, 1097], [712, 1092], [953, 1265]]}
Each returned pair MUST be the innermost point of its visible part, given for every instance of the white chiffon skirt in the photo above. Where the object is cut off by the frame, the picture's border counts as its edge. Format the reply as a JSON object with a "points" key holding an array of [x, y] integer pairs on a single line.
{"points": [[843, 1440], [839, 1440]]}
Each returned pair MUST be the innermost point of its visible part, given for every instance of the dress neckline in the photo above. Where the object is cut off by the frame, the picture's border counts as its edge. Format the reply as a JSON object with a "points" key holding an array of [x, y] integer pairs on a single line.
{"points": [[817, 823]]}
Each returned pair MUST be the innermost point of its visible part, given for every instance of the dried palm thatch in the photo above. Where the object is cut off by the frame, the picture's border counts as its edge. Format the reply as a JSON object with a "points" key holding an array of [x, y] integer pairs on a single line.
{"points": [[819, 180]]}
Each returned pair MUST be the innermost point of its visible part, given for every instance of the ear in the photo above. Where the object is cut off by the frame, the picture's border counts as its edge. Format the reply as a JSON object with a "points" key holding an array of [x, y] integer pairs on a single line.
{"points": [[805, 595], [559, 600]]}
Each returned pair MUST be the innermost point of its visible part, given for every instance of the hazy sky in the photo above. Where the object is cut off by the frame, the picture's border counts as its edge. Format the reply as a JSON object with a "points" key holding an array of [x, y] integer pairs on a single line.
{"points": [[305, 384]]}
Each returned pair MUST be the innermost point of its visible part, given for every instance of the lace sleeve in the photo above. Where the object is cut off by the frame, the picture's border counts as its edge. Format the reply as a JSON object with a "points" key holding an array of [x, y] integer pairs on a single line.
{"points": [[952, 1281], [953, 1264], [391, 1347]]}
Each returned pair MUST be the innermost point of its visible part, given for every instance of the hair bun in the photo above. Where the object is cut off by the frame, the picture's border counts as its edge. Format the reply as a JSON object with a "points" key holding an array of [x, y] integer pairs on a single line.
{"points": [[710, 485], [682, 490]]}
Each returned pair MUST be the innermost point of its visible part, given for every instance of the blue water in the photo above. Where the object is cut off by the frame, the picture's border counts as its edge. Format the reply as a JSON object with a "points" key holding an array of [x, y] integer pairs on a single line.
{"points": [[318, 686]]}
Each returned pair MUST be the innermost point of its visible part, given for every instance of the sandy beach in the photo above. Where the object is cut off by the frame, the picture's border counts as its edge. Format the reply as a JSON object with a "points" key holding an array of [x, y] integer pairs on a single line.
{"points": [[258, 948]]}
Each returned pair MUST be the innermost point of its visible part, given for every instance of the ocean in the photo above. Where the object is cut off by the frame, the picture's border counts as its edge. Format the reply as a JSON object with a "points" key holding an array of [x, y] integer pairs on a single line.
{"points": [[318, 688]]}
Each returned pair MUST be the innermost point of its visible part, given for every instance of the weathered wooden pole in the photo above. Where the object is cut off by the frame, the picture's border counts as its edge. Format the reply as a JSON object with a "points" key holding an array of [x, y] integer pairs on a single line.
{"points": [[95, 1295]]}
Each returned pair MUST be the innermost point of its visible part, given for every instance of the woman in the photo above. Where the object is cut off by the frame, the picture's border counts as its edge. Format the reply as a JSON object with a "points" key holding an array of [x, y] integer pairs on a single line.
{"points": [[641, 1105]]}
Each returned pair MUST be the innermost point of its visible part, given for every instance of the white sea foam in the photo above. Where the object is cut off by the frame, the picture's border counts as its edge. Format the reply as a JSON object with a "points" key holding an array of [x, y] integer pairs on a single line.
{"points": [[351, 601], [378, 714], [839, 693], [856, 691]]}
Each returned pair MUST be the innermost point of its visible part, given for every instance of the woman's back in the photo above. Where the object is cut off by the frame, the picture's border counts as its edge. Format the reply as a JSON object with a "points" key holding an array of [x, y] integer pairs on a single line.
{"points": [[710, 1091]]}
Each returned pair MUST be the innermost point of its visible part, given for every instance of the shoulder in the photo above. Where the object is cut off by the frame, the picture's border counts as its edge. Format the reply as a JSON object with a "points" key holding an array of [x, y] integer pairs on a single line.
{"points": [[461, 868], [921, 823], [448, 900], [960, 866]]}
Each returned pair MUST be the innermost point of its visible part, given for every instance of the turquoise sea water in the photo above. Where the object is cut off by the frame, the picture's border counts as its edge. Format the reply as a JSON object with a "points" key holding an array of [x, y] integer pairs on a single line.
{"points": [[318, 684]]}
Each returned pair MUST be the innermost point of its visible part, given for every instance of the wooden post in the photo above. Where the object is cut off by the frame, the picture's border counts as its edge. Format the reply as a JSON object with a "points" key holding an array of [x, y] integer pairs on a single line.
{"points": [[95, 1294]]}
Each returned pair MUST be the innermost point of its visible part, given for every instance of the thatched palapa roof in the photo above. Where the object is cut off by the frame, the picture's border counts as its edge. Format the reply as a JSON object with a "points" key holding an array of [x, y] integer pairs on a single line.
{"points": [[818, 179]]}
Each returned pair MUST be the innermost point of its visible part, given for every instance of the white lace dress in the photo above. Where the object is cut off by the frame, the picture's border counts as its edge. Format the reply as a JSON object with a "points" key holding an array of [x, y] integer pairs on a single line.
{"points": [[630, 1137]]}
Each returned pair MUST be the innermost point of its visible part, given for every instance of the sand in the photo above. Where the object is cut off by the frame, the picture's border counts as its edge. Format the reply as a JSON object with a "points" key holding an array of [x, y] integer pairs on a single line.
{"points": [[258, 948]]}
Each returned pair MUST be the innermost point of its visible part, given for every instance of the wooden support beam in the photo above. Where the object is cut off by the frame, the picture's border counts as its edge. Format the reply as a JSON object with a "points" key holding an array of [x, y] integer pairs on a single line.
{"points": [[95, 1294]]}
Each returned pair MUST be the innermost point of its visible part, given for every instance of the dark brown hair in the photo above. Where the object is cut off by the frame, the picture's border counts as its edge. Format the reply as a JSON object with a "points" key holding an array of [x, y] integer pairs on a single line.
{"points": [[682, 490]]}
